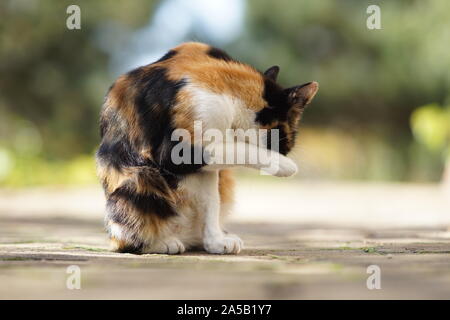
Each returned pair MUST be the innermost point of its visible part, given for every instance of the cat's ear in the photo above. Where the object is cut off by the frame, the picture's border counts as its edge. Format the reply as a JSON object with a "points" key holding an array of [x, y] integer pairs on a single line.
{"points": [[272, 72], [300, 96]]}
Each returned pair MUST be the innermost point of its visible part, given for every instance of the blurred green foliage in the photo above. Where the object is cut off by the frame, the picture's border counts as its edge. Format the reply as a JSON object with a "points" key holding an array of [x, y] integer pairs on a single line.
{"points": [[53, 82], [370, 80], [52, 86], [430, 124]]}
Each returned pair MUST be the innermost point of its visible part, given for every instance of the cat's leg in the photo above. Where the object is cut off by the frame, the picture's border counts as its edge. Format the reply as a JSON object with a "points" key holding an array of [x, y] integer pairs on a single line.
{"points": [[226, 192], [248, 155], [222, 155], [214, 239]]}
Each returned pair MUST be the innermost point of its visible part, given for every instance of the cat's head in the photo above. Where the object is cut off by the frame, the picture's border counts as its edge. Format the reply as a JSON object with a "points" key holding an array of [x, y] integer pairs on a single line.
{"points": [[284, 108]]}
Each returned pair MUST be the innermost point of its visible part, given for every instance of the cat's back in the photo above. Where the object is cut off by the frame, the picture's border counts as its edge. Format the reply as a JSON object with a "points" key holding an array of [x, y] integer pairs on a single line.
{"points": [[193, 81], [167, 90], [194, 65]]}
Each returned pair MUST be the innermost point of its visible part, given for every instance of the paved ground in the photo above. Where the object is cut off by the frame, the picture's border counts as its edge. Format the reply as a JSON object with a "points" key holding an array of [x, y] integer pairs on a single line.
{"points": [[318, 245]]}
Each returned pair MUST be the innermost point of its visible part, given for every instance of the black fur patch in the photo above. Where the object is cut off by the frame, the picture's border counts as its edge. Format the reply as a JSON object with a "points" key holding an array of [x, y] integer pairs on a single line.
{"points": [[278, 111], [219, 54], [277, 101], [154, 103], [118, 154], [146, 203], [167, 56], [283, 147], [183, 168]]}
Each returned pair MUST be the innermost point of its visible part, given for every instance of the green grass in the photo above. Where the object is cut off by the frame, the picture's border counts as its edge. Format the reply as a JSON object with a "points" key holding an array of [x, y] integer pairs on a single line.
{"points": [[85, 248], [369, 249], [347, 248], [14, 259]]}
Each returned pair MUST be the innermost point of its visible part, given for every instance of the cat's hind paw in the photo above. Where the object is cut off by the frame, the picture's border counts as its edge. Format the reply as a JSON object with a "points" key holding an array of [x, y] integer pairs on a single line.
{"points": [[166, 246]]}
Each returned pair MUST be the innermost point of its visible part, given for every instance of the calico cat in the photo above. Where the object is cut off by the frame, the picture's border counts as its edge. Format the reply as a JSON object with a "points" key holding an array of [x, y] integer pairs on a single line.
{"points": [[157, 206]]}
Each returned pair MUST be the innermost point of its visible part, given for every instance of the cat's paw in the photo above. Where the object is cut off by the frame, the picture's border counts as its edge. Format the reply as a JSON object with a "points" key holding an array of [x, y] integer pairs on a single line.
{"points": [[225, 244], [167, 246], [286, 168]]}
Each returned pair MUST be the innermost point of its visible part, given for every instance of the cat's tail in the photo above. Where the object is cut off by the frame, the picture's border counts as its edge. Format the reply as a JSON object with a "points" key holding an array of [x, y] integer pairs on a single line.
{"points": [[139, 202]]}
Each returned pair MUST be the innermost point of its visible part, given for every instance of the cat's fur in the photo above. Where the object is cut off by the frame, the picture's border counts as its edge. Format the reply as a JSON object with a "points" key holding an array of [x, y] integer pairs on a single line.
{"points": [[155, 206]]}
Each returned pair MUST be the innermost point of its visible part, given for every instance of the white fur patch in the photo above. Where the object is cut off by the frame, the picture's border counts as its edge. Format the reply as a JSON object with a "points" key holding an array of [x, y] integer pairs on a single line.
{"points": [[216, 111], [220, 111], [116, 230]]}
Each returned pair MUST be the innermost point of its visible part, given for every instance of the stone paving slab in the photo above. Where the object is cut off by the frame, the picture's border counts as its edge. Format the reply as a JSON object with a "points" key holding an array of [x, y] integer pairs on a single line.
{"points": [[277, 263], [288, 259]]}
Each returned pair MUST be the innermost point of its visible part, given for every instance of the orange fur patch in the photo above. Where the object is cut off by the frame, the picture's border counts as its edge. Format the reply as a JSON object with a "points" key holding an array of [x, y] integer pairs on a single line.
{"points": [[121, 98], [226, 186], [117, 245], [183, 113], [222, 77]]}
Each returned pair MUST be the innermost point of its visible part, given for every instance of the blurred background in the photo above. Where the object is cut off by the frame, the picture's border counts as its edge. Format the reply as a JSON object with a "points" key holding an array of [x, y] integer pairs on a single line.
{"points": [[372, 151], [382, 112]]}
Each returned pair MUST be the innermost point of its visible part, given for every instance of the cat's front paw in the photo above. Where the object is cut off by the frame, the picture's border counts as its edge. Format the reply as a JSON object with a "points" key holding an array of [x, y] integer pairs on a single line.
{"points": [[225, 244], [286, 168]]}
